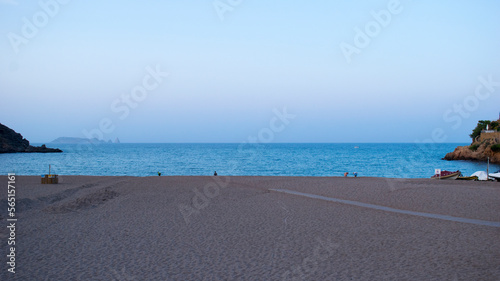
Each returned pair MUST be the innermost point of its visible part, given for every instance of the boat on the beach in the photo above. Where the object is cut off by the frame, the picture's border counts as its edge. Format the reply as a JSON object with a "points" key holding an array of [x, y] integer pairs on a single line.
{"points": [[495, 176], [471, 178], [481, 175], [447, 175]]}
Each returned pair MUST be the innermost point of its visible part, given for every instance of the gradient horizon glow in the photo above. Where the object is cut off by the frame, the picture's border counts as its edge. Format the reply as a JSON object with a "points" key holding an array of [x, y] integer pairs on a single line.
{"points": [[216, 71]]}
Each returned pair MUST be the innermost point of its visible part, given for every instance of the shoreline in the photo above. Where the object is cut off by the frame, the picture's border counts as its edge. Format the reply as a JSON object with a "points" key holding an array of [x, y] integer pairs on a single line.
{"points": [[232, 176]]}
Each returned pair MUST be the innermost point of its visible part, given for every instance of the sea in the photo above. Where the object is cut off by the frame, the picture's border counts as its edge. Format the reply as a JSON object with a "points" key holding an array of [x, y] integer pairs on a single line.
{"points": [[393, 160]]}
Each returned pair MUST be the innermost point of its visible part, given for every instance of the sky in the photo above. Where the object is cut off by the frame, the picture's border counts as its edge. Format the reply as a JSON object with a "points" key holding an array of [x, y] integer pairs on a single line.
{"points": [[237, 71]]}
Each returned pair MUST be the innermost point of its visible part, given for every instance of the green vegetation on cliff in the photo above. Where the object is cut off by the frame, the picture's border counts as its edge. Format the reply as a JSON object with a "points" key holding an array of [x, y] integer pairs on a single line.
{"points": [[495, 148], [474, 147], [495, 125], [483, 125]]}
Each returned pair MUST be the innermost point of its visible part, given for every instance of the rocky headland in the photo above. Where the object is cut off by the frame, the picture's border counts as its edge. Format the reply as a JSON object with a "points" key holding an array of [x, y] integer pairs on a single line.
{"points": [[486, 143], [12, 142], [481, 153]]}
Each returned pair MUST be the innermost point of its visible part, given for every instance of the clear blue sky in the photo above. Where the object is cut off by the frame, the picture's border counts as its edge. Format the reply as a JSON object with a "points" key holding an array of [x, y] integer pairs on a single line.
{"points": [[65, 67]]}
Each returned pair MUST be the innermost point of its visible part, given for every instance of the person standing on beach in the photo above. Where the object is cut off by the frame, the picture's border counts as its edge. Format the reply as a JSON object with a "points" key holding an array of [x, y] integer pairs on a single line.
{"points": [[345, 174]]}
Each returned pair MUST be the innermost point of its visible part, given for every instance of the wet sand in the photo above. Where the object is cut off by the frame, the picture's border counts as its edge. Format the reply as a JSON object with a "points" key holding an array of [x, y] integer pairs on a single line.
{"points": [[243, 228]]}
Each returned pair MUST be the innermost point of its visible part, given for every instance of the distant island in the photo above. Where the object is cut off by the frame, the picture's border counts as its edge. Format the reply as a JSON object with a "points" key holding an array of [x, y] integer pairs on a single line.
{"points": [[71, 140], [485, 143], [12, 142]]}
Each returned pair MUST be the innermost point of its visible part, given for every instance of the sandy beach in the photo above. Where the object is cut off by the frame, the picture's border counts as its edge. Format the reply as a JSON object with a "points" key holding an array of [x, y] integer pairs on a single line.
{"points": [[252, 228]]}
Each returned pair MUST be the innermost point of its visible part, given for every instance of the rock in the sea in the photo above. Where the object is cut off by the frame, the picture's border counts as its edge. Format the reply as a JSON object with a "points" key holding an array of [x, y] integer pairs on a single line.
{"points": [[474, 152], [11, 142], [485, 144]]}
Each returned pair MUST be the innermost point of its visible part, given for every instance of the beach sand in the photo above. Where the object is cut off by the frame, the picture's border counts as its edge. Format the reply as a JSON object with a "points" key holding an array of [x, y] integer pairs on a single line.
{"points": [[240, 228]]}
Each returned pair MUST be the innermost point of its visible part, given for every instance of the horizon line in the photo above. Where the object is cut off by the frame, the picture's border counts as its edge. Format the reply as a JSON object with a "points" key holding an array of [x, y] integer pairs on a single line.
{"points": [[259, 143]]}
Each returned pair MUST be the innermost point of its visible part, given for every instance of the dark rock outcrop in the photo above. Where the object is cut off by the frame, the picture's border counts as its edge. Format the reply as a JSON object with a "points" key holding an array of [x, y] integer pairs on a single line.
{"points": [[11, 142]]}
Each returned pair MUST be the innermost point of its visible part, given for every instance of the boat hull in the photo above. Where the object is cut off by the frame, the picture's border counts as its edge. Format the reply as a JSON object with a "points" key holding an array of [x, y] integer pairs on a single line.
{"points": [[447, 176], [495, 176], [473, 178]]}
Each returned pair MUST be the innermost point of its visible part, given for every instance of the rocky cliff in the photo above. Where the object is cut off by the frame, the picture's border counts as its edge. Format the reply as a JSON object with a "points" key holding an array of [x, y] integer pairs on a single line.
{"points": [[11, 141], [476, 152]]}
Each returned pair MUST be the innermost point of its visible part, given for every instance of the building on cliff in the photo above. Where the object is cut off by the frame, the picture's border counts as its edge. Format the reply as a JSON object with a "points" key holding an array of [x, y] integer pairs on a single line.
{"points": [[490, 134]]}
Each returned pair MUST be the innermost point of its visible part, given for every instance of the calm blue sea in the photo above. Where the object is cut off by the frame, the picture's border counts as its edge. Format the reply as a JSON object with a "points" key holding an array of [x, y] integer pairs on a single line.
{"points": [[373, 160]]}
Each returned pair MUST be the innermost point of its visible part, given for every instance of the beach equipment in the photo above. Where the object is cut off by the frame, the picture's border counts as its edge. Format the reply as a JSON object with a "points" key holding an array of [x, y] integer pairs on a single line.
{"points": [[446, 175], [50, 178], [488, 167]]}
